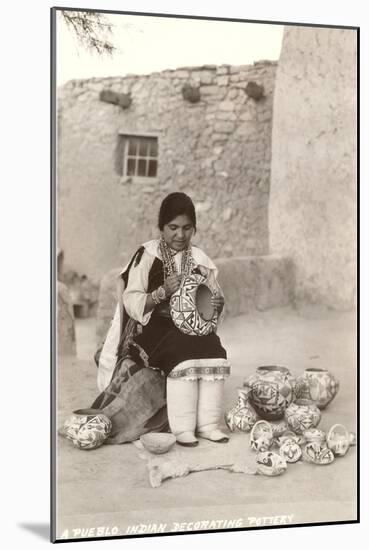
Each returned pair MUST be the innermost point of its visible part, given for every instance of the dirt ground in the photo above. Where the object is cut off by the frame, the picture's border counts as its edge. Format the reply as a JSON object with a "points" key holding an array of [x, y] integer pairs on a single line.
{"points": [[108, 488]]}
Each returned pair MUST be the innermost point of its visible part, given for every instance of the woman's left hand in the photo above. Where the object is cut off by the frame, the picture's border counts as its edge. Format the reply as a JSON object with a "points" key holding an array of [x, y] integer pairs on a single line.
{"points": [[217, 302]]}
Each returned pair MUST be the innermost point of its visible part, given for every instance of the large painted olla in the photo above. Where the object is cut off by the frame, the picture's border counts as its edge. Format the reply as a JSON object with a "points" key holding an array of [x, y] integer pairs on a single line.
{"points": [[272, 391], [319, 385]]}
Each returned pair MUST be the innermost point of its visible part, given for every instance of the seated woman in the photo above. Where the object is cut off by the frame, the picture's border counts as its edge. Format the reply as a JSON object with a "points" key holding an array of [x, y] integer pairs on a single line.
{"points": [[195, 366]]}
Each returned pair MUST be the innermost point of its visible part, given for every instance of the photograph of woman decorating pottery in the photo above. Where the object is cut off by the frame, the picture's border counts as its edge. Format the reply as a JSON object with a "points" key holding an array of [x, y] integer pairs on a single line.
{"points": [[206, 296]]}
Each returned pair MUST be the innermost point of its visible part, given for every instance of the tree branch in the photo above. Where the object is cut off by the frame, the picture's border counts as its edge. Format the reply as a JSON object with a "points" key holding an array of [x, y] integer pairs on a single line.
{"points": [[91, 30]]}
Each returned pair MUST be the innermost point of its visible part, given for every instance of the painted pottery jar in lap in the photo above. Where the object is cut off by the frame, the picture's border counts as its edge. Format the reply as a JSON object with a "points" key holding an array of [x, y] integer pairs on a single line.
{"points": [[319, 385], [302, 415], [242, 416], [191, 309], [272, 391]]}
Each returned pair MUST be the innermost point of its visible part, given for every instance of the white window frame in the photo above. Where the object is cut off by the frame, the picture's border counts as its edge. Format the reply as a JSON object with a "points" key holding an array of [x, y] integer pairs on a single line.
{"points": [[145, 179]]}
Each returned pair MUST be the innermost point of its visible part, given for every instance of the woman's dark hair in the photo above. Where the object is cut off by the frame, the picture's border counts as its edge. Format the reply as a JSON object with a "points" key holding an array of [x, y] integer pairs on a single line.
{"points": [[176, 204]]}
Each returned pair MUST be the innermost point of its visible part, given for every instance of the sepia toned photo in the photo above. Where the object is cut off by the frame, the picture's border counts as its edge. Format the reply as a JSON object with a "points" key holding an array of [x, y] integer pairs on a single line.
{"points": [[204, 222]]}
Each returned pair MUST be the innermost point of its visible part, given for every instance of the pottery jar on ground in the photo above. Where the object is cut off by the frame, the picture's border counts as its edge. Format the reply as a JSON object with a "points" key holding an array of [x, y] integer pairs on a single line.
{"points": [[314, 434], [338, 439], [270, 464], [87, 428], [302, 415], [317, 453], [272, 390], [319, 385], [242, 416]]}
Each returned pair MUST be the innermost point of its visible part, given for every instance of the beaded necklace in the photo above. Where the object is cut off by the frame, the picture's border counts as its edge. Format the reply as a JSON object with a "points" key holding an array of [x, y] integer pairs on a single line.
{"points": [[169, 264]]}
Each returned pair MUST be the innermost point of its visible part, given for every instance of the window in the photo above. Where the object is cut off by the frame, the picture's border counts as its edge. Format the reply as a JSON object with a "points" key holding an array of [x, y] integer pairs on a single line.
{"points": [[140, 156]]}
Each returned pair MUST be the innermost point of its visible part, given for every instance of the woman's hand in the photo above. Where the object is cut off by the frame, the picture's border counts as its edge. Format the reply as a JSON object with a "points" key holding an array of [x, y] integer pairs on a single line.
{"points": [[171, 284], [218, 302]]}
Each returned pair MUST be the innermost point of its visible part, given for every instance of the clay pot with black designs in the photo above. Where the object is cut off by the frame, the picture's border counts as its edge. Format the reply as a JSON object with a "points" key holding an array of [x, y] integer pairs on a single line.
{"points": [[290, 436], [338, 439], [261, 437], [314, 434], [270, 464], [191, 309], [319, 385], [272, 391], [242, 416], [87, 428], [290, 451], [302, 415], [317, 453], [279, 427]]}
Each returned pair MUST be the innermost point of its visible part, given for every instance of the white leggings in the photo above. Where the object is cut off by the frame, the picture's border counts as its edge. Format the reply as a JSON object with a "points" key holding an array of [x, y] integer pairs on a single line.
{"points": [[195, 404]]}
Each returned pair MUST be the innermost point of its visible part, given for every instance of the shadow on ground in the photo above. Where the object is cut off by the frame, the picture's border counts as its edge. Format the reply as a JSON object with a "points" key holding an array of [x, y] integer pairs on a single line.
{"points": [[42, 530]]}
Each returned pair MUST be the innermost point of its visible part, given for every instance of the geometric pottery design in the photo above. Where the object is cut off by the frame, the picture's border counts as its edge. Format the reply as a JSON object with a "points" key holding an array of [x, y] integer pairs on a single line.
{"points": [[317, 453], [272, 391], [315, 435], [319, 385], [187, 307], [302, 415], [270, 464], [279, 428], [290, 451], [242, 416], [87, 431], [338, 439], [261, 437]]}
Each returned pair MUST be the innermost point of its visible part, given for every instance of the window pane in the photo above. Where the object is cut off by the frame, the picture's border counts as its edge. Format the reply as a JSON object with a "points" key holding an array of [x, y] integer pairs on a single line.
{"points": [[152, 168], [131, 167], [143, 147], [132, 147], [142, 167], [153, 148]]}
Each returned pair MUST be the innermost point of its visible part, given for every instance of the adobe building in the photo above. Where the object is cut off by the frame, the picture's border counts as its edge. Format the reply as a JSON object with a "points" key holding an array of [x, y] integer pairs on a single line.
{"points": [[125, 143], [313, 208]]}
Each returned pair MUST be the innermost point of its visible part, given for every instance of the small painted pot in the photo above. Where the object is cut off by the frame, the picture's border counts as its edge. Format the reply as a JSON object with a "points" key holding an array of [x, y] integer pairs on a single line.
{"points": [[290, 451], [270, 464], [317, 453], [289, 436], [272, 390], [302, 415], [319, 385], [242, 416], [261, 437], [338, 440], [314, 434], [87, 428], [279, 428]]}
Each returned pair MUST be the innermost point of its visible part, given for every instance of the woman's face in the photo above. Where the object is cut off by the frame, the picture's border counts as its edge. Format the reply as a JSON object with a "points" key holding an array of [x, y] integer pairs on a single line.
{"points": [[178, 232]]}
